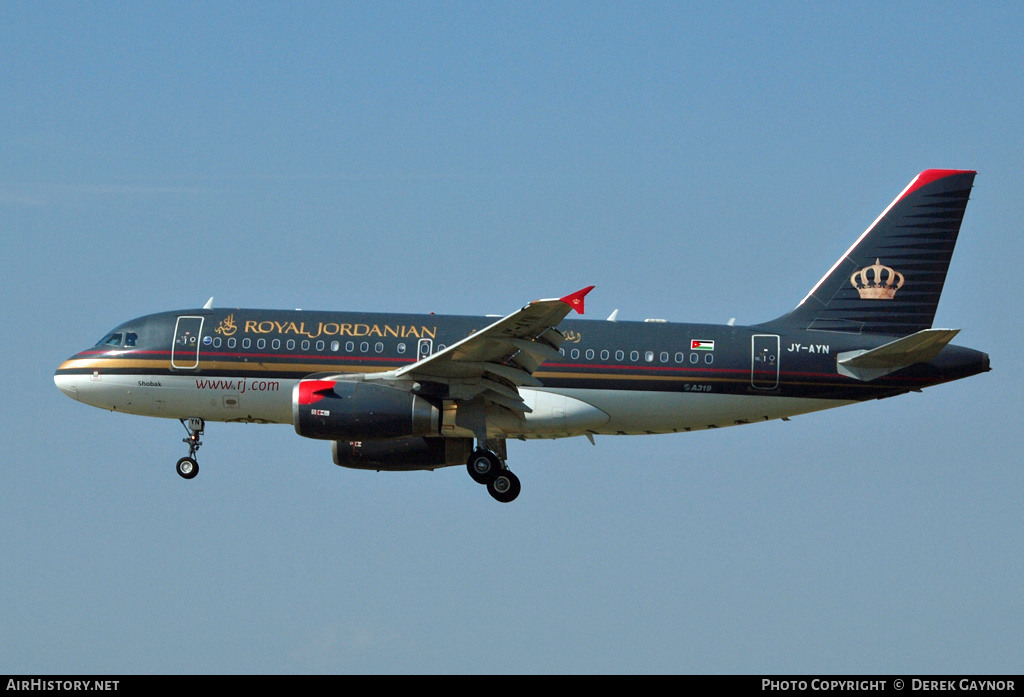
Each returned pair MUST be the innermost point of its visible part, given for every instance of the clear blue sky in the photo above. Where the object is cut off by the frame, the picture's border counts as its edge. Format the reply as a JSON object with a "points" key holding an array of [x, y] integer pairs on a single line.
{"points": [[694, 161]]}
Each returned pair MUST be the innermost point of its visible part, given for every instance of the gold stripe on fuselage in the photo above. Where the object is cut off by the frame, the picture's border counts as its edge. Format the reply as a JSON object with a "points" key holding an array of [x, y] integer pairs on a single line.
{"points": [[254, 366], [540, 375], [303, 369]]}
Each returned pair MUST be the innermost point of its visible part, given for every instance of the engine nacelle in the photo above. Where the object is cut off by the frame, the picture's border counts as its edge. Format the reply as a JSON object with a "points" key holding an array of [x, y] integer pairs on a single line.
{"points": [[343, 410], [400, 454]]}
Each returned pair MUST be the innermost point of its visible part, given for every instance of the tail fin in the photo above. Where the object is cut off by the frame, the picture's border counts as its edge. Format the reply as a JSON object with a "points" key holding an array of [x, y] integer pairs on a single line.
{"points": [[890, 280]]}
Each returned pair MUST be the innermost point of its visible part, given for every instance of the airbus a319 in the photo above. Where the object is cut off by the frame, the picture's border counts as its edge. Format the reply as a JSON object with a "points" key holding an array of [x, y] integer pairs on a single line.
{"points": [[412, 392]]}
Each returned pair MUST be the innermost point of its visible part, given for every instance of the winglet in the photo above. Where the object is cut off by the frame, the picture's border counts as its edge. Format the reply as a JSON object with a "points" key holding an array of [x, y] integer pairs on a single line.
{"points": [[575, 300]]}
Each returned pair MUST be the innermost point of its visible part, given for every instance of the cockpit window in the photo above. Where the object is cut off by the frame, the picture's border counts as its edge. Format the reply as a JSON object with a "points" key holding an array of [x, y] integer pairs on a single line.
{"points": [[119, 339]]}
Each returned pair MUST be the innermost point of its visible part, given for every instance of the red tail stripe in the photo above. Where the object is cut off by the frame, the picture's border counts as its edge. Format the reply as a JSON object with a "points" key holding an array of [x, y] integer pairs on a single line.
{"points": [[930, 175]]}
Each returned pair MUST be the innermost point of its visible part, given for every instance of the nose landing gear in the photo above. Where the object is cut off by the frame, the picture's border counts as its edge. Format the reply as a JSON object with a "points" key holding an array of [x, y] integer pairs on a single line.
{"points": [[187, 466]]}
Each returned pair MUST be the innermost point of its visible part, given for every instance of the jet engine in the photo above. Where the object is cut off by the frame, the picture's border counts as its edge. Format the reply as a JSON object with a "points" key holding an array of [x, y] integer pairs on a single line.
{"points": [[356, 411], [399, 454]]}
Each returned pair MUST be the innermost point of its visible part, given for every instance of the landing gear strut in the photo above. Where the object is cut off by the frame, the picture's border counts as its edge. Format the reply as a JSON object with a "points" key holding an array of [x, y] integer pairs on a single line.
{"points": [[485, 467], [187, 466]]}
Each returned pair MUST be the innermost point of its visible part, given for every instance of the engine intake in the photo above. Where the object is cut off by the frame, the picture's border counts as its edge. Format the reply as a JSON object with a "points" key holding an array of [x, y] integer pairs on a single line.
{"points": [[343, 410]]}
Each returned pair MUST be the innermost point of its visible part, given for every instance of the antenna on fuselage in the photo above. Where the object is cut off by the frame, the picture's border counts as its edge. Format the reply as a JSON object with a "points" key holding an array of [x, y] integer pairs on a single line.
{"points": [[209, 303]]}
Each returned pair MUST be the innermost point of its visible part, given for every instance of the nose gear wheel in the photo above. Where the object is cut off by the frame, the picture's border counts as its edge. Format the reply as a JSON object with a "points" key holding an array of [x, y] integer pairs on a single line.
{"points": [[188, 467]]}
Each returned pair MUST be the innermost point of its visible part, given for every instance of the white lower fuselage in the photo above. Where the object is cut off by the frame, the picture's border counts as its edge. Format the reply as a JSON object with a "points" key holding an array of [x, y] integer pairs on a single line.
{"points": [[556, 413]]}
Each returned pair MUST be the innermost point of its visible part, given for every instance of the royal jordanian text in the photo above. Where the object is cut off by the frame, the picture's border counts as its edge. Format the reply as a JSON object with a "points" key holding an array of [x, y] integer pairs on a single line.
{"points": [[399, 331], [65, 685], [228, 327]]}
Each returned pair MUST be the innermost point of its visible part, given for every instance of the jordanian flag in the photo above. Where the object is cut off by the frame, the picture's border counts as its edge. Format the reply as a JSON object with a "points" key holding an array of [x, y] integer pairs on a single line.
{"points": [[702, 345]]}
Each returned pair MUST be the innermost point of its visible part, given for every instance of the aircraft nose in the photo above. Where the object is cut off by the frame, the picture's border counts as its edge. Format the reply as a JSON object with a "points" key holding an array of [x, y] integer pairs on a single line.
{"points": [[67, 384]]}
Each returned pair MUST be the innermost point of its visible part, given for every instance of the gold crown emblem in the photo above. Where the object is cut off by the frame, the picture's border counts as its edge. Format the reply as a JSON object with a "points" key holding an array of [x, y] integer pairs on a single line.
{"points": [[877, 282]]}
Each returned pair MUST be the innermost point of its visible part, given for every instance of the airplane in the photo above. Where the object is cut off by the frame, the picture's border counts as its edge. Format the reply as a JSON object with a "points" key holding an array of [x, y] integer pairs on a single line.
{"points": [[412, 392]]}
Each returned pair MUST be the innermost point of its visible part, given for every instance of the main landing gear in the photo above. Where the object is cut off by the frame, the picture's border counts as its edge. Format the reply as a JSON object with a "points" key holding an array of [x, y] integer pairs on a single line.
{"points": [[187, 467], [485, 467]]}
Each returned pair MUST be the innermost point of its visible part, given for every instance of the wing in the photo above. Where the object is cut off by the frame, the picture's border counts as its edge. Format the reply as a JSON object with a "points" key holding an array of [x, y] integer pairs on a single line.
{"points": [[495, 361]]}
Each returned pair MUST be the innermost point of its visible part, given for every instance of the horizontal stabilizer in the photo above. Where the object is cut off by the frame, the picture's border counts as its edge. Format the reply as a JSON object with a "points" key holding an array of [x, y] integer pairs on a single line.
{"points": [[869, 364]]}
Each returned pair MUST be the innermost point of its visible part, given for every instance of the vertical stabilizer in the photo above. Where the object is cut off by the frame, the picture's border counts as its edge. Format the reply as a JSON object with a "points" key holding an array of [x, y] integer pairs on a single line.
{"points": [[890, 280]]}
